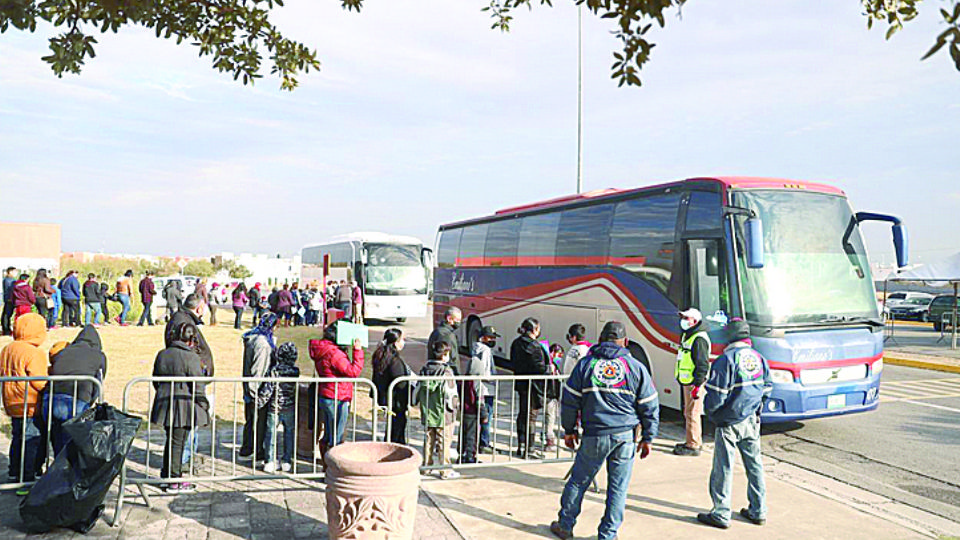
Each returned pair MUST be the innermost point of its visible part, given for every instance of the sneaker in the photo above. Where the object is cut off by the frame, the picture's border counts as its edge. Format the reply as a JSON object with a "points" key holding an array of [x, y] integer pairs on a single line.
{"points": [[745, 513], [23, 492], [270, 467], [449, 475], [712, 520], [286, 467], [183, 487], [486, 450], [684, 450], [559, 531]]}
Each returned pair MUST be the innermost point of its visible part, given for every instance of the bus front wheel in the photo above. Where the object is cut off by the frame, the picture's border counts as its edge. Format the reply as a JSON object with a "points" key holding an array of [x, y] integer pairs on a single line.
{"points": [[473, 332]]}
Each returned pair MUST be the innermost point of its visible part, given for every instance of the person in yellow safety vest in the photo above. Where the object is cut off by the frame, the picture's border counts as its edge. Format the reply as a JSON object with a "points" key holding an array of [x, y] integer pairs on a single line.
{"points": [[693, 368]]}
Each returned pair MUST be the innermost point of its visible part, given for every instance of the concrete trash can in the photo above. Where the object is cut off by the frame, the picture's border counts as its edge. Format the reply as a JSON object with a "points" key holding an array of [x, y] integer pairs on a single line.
{"points": [[372, 490]]}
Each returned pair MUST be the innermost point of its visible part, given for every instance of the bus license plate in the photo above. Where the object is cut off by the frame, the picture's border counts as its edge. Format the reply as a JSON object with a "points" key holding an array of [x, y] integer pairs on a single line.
{"points": [[837, 401]]}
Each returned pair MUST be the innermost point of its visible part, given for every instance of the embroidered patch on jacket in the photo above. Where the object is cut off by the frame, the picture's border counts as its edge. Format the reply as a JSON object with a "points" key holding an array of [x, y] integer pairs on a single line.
{"points": [[609, 373], [751, 365]]}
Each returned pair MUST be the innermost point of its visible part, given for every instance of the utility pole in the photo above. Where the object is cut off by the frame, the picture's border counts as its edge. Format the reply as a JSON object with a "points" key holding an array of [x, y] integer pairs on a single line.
{"points": [[580, 99]]}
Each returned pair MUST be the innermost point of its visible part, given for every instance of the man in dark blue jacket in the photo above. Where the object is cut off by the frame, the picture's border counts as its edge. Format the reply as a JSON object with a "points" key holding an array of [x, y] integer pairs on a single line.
{"points": [[617, 403], [738, 382], [9, 278], [70, 294]]}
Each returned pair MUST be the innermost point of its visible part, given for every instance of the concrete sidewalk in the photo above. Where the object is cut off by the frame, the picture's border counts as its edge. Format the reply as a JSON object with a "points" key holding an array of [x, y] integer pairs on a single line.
{"points": [[666, 493]]}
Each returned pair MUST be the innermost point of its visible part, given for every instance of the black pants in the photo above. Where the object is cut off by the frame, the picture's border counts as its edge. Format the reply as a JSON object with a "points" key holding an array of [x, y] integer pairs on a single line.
{"points": [[257, 314], [526, 421], [106, 312], [147, 314], [252, 416], [7, 318], [71, 313], [44, 311], [239, 313], [398, 427], [173, 452]]}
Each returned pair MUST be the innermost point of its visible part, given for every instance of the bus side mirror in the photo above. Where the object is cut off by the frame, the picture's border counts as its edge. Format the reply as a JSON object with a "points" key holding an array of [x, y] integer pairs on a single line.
{"points": [[712, 265], [900, 244], [753, 229], [426, 257], [363, 255]]}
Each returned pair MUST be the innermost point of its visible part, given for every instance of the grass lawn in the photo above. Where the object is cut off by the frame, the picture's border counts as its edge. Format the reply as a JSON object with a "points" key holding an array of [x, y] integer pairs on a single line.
{"points": [[131, 351]]}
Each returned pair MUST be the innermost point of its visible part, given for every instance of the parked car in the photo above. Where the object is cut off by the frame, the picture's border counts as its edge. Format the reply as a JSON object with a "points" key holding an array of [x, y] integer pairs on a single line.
{"points": [[940, 305], [913, 309], [898, 299]]}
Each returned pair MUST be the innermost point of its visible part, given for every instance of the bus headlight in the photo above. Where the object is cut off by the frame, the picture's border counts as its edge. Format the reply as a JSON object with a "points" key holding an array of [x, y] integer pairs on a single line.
{"points": [[878, 367], [781, 376]]}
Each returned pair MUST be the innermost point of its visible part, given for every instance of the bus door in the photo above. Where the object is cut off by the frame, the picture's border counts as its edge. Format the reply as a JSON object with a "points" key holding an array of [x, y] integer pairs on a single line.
{"points": [[705, 283]]}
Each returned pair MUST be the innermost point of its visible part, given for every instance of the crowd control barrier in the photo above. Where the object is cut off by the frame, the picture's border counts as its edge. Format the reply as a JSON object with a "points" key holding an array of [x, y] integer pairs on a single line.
{"points": [[214, 448], [513, 421], [18, 474]]}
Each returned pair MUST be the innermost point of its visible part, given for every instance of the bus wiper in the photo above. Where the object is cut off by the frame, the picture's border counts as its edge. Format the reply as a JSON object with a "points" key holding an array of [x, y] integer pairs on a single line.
{"points": [[833, 319]]}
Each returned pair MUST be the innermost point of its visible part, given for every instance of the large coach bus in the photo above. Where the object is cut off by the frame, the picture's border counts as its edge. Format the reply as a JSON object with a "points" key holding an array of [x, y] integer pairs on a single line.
{"points": [[786, 256], [392, 271]]}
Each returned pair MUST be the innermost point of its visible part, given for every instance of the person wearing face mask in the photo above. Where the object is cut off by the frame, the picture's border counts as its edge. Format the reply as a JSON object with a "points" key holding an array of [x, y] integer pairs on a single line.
{"points": [[447, 333], [693, 368], [528, 358]]}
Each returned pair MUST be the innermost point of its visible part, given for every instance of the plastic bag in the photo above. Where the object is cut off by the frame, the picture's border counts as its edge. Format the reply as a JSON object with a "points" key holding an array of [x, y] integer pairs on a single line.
{"points": [[71, 492]]}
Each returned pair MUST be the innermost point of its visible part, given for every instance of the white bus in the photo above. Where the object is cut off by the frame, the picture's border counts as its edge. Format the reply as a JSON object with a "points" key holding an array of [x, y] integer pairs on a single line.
{"points": [[392, 271]]}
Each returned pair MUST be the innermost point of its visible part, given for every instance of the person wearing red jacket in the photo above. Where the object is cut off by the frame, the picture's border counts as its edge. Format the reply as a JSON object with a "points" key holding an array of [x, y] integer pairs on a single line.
{"points": [[334, 398], [23, 296]]}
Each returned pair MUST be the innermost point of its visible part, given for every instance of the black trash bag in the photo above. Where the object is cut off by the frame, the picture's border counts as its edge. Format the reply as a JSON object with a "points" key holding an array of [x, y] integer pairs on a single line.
{"points": [[71, 492]]}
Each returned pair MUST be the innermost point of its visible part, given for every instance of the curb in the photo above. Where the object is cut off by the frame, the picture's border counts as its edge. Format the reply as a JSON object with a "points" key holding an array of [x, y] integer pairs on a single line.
{"points": [[443, 512], [922, 364]]}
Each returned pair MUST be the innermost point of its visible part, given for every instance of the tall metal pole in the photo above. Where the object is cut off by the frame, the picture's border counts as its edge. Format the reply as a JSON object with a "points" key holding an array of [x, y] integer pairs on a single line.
{"points": [[580, 99]]}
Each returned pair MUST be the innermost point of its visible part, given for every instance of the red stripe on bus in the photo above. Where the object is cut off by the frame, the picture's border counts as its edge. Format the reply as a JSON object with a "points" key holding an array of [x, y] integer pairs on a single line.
{"points": [[795, 369]]}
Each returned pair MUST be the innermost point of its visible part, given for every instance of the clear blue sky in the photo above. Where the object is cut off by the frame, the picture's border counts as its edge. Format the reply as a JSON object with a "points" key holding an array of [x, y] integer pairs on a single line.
{"points": [[422, 115]]}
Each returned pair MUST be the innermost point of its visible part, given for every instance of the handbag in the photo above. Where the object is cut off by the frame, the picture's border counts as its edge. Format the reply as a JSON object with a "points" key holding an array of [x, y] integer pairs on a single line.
{"points": [[51, 304]]}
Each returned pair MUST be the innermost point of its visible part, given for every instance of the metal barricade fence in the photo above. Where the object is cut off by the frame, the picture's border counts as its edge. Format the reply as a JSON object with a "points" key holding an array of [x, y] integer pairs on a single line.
{"points": [[43, 422], [214, 449], [512, 421]]}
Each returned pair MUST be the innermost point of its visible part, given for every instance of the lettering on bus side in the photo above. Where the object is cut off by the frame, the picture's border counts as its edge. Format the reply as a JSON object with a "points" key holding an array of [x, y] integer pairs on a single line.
{"points": [[462, 283]]}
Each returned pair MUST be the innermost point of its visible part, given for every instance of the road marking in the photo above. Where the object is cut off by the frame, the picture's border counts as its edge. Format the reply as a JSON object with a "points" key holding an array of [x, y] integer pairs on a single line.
{"points": [[931, 405], [911, 398], [897, 383], [922, 389]]}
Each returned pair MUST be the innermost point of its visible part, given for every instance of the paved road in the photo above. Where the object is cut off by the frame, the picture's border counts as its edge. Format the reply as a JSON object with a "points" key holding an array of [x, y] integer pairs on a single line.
{"points": [[906, 450]]}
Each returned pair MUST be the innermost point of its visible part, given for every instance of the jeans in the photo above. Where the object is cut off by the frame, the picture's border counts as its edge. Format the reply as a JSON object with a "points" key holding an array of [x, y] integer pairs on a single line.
{"points": [[147, 315], [96, 310], [347, 308], [238, 312], [552, 420], [335, 413], [125, 301], [32, 430], [173, 452], [6, 319], [274, 418], [526, 422], [617, 451], [485, 428], [71, 313], [63, 410], [744, 437]]}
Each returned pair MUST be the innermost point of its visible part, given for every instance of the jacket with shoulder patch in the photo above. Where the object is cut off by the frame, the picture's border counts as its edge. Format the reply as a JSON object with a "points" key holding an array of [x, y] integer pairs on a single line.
{"points": [[739, 380], [612, 392]]}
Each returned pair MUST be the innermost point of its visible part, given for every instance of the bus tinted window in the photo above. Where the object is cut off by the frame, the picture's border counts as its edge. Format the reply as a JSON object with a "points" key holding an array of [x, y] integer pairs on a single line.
{"points": [[537, 245], [642, 235], [448, 248], [472, 243], [501, 247], [704, 211], [582, 238]]}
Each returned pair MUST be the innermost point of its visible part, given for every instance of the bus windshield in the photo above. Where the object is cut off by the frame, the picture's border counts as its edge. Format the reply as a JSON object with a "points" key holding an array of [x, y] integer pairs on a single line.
{"points": [[394, 268], [815, 269]]}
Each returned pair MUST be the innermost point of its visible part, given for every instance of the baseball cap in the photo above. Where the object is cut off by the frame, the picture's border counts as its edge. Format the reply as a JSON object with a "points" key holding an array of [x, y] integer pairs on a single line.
{"points": [[738, 330], [489, 331], [613, 330], [692, 313]]}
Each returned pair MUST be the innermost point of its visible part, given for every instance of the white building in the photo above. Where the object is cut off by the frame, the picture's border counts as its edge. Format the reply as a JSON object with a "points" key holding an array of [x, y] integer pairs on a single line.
{"points": [[266, 269]]}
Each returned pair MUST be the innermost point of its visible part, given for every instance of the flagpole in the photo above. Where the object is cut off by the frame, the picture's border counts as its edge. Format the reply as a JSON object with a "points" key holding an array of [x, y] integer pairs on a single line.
{"points": [[580, 99]]}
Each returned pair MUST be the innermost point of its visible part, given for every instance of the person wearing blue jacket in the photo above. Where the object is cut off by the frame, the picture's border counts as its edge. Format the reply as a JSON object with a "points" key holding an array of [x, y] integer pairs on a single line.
{"points": [[70, 295], [739, 380], [614, 396]]}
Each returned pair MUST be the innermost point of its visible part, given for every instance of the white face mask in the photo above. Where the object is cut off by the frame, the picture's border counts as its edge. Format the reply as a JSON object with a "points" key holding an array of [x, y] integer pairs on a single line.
{"points": [[686, 324]]}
